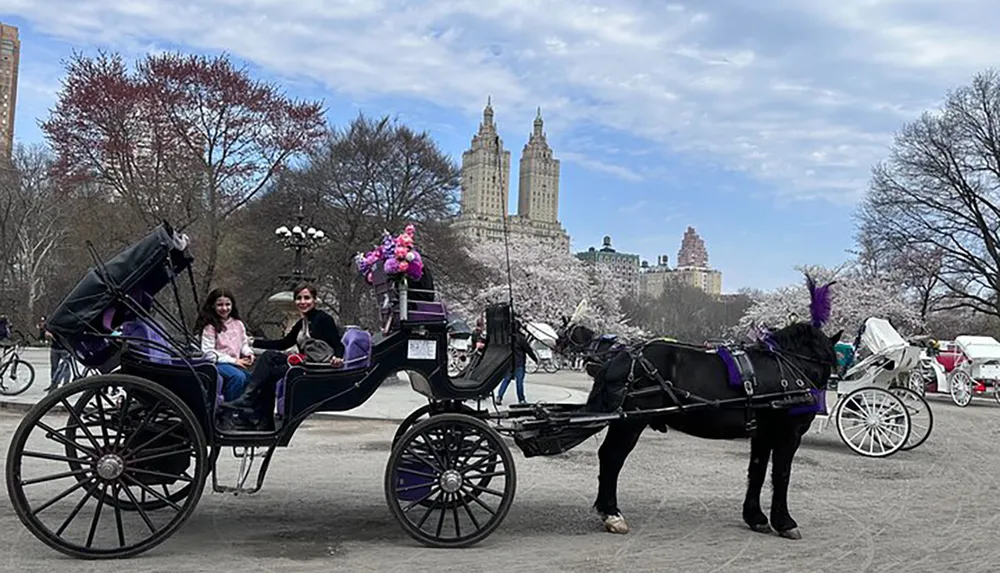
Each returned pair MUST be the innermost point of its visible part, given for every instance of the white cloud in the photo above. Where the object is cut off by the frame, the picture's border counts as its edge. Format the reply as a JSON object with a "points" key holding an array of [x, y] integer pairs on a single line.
{"points": [[805, 95], [603, 166]]}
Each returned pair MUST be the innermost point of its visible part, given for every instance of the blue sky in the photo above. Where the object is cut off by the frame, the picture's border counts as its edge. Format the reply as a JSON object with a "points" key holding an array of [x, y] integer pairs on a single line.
{"points": [[755, 122]]}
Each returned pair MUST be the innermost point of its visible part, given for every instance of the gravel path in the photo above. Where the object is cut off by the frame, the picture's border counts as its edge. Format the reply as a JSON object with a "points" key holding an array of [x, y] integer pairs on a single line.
{"points": [[322, 509]]}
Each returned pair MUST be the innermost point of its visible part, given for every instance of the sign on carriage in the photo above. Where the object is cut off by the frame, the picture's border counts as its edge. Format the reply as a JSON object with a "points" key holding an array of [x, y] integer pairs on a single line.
{"points": [[418, 349]]}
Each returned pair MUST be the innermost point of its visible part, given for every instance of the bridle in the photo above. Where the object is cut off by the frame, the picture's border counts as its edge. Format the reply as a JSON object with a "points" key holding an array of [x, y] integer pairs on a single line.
{"points": [[770, 346]]}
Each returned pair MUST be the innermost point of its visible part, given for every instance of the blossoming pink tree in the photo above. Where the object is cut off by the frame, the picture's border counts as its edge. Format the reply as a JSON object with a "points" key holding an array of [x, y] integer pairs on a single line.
{"points": [[548, 283], [856, 297]]}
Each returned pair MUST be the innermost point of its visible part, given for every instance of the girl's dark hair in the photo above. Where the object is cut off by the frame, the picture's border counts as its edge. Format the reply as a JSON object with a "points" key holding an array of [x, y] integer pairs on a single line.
{"points": [[207, 315]]}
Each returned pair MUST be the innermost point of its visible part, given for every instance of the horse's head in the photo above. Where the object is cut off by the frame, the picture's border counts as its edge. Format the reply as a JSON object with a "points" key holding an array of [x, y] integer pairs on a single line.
{"points": [[805, 342], [573, 337]]}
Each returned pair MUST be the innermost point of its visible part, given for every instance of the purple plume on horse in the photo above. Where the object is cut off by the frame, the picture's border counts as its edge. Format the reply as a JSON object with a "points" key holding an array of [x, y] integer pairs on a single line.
{"points": [[820, 305]]}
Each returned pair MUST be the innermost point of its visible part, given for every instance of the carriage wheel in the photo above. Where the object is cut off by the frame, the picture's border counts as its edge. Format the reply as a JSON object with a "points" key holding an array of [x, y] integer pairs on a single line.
{"points": [[16, 376], [149, 439], [550, 366], [425, 412], [531, 367], [440, 460], [457, 363], [433, 409], [996, 391], [921, 417], [960, 386], [91, 413], [915, 382], [873, 422]]}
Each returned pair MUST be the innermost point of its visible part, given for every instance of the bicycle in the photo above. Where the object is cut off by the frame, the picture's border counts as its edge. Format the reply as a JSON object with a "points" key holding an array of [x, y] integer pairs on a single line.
{"points": [[14, 369]]}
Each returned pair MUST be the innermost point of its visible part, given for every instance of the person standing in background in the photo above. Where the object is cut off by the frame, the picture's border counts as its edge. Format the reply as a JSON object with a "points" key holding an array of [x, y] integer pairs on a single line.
{"points": [[59, 363]]}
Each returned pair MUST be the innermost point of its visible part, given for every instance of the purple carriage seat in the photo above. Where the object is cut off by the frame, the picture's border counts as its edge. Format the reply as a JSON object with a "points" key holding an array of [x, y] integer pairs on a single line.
{"points": [[143, 331], [357, 348], [155, 351], [425, 311], [96, 351], [357, 355]]}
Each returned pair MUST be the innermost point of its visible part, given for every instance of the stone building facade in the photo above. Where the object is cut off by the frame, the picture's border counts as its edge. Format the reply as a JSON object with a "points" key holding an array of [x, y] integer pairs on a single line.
{"points": [[10, 60], [692, 268], [622, 264], [486, 187]]}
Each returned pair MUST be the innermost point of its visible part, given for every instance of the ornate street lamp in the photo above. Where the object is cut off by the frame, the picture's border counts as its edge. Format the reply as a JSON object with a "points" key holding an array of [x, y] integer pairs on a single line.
{"points": [[299, 238]]}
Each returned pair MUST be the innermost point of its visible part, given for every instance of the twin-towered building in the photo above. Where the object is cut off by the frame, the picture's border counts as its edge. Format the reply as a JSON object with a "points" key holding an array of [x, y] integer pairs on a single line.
{"points": [[485, 195], [486, 187]]}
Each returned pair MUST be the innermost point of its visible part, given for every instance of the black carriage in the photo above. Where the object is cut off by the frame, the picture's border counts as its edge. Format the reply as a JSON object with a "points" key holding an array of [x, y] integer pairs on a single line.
{"points": [[137, 446]]}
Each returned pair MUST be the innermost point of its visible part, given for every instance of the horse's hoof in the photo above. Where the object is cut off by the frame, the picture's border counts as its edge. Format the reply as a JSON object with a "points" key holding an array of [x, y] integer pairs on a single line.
{"points": [[790, 534], [615, 524], [762, 528]]}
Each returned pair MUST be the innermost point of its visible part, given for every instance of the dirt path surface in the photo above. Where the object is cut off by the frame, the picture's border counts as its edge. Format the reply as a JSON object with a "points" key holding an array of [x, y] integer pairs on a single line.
{"points": [[322, 508]]}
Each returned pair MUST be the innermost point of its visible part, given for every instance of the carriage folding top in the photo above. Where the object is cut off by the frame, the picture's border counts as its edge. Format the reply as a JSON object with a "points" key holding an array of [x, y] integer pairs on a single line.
{"points": [[890, 354], [116, 291]]}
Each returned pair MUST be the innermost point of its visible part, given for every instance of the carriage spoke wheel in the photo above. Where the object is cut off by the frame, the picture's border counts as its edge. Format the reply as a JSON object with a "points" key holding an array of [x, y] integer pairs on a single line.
{"points": [[873, 422], [117, 453], [961, 385], [915, 382], [551, 366], [434, 481], [90, 409], [425, 412], [921, 417]]}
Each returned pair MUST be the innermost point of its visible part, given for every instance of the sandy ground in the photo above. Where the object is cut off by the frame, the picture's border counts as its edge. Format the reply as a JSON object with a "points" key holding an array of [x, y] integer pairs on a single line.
{"points": [[323, 509]]}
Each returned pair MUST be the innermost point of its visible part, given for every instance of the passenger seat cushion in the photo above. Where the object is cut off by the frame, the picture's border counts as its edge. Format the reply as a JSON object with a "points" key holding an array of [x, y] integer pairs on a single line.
{"points": [[357, 355]]}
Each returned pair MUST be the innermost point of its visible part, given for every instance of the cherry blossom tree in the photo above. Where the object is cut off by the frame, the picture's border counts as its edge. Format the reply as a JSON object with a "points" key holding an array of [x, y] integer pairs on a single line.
{"points": [[193, 138], [548, 283], [856, 297]]}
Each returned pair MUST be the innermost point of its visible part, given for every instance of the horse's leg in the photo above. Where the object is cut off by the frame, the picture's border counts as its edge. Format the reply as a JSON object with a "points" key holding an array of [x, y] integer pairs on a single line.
{"points": [[760, 453], [618, 444], [785, 446]]}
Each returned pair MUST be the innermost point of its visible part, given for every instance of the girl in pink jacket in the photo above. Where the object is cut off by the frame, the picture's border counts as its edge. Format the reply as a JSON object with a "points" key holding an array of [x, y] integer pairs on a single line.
{"points": [[224, 339]]}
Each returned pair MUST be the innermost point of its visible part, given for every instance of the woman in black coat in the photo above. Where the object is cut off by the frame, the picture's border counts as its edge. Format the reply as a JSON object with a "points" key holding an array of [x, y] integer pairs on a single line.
{"points": [[271, 366]]}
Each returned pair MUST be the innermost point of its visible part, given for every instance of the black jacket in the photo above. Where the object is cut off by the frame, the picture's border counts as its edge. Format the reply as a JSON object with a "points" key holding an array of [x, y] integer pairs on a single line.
{"points": [[522, 348], [322, 326]]}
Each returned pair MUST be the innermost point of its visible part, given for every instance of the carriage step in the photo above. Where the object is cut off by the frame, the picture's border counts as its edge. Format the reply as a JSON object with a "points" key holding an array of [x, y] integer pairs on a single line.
{"points": [[247, 455], [246, 438]]}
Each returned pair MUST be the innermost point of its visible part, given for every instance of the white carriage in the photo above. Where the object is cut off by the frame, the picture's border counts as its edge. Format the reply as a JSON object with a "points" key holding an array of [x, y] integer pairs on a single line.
{"points": [[968, 367], [875, 411], [542, 340]]}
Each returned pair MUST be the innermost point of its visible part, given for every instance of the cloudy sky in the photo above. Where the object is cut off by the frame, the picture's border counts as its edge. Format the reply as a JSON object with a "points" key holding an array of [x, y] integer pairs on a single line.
{"points": [[755, 122]]}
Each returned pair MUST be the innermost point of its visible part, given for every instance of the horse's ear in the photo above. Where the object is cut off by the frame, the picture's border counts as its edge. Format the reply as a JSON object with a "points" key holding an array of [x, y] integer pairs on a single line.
{"points": [[836, 337]]}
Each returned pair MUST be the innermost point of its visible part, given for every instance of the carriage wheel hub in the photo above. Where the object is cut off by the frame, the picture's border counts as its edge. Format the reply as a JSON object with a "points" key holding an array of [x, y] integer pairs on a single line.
{"points": [[109, 467], [451, 481]]}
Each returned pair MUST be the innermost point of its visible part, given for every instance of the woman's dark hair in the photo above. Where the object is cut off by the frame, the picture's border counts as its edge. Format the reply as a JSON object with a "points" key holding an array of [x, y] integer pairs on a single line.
{"points": [[302, 287], [207, 313]]}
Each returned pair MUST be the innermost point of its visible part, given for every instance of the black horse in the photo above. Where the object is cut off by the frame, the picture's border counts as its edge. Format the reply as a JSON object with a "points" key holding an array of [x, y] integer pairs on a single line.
{"points": [[799, 356]]}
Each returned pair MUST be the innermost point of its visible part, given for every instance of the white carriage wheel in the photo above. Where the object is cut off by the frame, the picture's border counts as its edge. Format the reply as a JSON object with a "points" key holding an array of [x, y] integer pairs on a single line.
{"points": [[873, 422], [915, 381], [921, 417], [960, 385], [996, 391]]}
